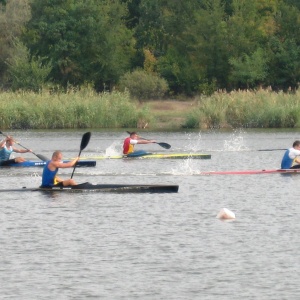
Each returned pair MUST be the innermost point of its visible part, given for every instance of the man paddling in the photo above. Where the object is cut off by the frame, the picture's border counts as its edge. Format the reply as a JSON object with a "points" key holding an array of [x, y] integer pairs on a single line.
{"points": [[49, 178], [7, 148], [131, 141], [291, 159]]}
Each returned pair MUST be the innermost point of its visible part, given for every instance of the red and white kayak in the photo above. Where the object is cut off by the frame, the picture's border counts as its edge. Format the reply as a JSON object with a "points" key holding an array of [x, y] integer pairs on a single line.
{"points": [[251, 172]]}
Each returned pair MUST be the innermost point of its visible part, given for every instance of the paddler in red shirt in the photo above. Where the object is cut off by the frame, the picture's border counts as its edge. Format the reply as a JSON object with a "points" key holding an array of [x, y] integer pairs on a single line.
{"points": [[131, 141]]}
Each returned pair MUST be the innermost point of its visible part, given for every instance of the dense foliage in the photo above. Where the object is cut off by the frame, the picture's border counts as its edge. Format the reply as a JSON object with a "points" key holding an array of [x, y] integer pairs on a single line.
{"points": [[197, 46]]}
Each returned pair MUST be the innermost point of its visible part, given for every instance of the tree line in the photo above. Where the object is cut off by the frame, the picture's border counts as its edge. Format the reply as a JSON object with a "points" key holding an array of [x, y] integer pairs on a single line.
{"points": [[196, 46]]}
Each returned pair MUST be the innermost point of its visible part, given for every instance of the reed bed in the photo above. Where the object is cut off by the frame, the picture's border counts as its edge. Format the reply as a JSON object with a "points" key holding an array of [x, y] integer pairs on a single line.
{"points": [[74, 109], [85, 108], [247, 109]]}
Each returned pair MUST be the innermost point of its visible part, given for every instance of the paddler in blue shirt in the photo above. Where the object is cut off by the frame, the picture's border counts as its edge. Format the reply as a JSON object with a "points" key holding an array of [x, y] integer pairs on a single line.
{"points": [[49, 178], [7, 148], [131, 141], [291, 159]]}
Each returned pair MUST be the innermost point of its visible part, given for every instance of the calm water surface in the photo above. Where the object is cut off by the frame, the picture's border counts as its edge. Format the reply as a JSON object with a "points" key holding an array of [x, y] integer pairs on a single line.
{"points": [[167, 246]]}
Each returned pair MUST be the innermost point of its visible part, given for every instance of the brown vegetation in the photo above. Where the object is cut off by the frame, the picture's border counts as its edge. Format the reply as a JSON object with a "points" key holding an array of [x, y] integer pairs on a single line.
{"points": [[169, 113]]}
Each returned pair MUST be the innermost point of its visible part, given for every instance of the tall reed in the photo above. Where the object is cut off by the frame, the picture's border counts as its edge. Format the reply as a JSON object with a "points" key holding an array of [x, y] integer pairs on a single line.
{"points": [[74, 109], [247, 109]]}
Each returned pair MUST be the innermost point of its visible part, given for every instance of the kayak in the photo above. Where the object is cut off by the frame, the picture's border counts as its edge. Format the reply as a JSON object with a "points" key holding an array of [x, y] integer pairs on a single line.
{"points": [[30, 163], [104, 188], [249, 172], [155, 156]]}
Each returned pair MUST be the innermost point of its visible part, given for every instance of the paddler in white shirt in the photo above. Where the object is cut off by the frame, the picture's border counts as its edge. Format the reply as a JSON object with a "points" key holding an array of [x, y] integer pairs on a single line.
{"points": [[7, 148], [291, 157]]}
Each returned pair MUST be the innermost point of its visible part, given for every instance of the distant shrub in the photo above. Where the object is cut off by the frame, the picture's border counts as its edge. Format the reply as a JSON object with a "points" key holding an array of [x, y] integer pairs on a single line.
{"points": [[144, 86]]}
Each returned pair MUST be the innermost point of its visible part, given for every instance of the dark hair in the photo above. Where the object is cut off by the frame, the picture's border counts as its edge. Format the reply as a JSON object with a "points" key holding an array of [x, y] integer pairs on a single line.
{"points": [[132, 133], [296, 143]]}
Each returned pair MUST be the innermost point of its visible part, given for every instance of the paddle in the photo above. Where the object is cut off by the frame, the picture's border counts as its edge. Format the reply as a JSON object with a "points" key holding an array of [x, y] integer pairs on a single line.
{"points": [[164, 145], [41, 157], [84, 142], [272, 150]]}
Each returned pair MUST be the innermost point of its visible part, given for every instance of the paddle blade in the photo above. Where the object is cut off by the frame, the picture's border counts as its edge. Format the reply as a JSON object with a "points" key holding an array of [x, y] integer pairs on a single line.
{"points": [[164, 145], [41, 157], [85, 140]]}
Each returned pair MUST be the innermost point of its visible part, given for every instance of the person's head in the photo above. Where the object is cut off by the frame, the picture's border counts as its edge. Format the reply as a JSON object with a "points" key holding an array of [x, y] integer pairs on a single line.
{"points": [[133, 135], [296, 145], [9, 141], [57, 155]]}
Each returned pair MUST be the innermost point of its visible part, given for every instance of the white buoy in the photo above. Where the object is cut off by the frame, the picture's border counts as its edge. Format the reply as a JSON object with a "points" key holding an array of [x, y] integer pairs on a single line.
{"points": [[225, 214]]}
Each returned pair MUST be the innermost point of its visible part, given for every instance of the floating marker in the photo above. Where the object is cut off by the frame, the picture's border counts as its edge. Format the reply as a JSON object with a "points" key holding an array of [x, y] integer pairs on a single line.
{"points": [[225, 214]]}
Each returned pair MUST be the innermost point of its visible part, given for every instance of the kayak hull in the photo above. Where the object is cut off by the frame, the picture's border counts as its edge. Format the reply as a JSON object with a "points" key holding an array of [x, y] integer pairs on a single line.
{"points": [[156, 156], [251, 172], [104, 188], [30, 163]]}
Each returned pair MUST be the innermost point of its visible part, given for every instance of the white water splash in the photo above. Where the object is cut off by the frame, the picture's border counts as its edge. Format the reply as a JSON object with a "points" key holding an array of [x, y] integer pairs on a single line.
{"points": [[235, 143], [185, 167], [194, 144], [114, 149]]}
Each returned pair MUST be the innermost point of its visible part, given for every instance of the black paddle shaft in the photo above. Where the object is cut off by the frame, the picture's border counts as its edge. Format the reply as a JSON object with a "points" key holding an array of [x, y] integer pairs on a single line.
{"points": [[84, 142], [41, 157], [164, 145]]}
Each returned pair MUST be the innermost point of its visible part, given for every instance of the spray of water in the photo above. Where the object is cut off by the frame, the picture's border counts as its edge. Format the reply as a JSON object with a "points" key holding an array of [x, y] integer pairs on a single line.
{"points": [[235, 142]]}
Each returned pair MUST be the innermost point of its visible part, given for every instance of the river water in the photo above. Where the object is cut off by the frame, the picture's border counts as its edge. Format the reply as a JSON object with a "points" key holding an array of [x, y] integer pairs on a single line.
{"points": [[154, 246]]}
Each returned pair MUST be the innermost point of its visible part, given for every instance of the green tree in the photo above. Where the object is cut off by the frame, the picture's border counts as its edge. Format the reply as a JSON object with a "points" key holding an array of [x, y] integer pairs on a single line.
{"points": [[26, 72], [13, 16], [249, 70], [85, 40], [162, 28], [209, 43], [284, 49]]}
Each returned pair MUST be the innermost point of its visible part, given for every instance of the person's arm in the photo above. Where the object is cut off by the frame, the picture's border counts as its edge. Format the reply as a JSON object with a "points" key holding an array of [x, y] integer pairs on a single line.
{"points": [[69, 164], [21, 150], [145, 141], [293, 153], [2, 143]]}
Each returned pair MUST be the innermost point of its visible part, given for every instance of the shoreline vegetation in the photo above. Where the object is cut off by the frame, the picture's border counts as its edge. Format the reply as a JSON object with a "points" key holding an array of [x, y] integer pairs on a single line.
{"points": [[85, 108]]}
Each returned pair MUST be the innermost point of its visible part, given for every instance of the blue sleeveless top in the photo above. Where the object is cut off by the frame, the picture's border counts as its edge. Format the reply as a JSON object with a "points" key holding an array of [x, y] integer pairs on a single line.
{"points": [[48, 176], [5, 153], [286, 162]]}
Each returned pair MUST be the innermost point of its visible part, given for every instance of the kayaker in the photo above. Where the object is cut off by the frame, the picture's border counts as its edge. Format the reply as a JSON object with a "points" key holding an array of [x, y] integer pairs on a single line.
{"points": [[131, 141], [7, 148], [49, 177], [291, 159]]}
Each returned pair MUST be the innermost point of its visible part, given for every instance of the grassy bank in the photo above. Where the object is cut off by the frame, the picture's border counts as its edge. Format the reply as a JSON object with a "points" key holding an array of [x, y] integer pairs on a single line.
{"points": [[80, 109], [87, 109], [246, 109]]}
